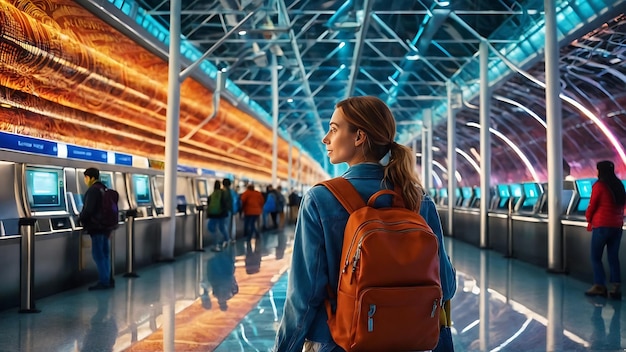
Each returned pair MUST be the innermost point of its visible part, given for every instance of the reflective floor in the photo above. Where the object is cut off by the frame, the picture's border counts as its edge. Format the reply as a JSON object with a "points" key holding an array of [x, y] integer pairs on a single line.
{"points": [[232, 301]]}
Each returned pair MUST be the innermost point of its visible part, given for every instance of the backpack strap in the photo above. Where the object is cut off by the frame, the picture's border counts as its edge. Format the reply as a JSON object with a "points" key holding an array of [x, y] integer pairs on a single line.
{"points": [[398, 202], [345, 193]]}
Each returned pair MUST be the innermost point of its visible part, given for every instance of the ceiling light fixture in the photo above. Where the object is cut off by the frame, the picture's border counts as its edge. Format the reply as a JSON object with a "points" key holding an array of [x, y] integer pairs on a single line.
{"points": [[413, 56]]}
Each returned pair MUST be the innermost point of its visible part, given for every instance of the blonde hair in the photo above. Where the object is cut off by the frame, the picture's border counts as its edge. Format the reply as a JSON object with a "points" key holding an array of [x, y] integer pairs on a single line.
{"points": [[372, 116]]}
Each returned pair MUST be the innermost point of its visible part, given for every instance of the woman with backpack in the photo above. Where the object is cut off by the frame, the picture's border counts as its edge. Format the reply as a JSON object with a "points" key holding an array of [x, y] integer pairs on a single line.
{"points": [[361, 133]]}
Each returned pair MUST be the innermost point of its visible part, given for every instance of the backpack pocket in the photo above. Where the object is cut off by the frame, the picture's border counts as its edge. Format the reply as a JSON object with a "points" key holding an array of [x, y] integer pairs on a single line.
{"points": [[397, 319]]}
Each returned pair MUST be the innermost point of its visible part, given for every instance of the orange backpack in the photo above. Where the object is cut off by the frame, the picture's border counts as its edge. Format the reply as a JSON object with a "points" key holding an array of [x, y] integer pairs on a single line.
{"points": [[389, 295]]}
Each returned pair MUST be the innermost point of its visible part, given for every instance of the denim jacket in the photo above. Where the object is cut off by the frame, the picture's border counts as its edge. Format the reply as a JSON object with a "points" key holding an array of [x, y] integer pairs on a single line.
{"points": [[316, 256]]}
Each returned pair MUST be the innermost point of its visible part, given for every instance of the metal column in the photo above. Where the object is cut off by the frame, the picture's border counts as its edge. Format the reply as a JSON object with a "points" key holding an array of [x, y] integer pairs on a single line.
{"points": [[168, 229], [27, 265], [274, 121], [289, 167], [485, 143], [427, 148], [200, 228], [555, 144], [130, 243], [451, 160]]}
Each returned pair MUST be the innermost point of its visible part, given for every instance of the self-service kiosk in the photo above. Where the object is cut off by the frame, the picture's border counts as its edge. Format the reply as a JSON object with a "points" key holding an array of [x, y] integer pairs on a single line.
{"points": [[465, 216], [142, 195], [532, 192]]}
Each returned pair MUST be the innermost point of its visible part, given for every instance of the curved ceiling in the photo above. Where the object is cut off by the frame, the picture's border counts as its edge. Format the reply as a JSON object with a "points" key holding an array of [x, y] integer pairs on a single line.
{"points": [[407, 52]]}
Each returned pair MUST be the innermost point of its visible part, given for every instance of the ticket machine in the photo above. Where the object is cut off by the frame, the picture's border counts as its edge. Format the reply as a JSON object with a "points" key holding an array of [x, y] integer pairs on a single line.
{"points": [[142, 195], [44, 188]]}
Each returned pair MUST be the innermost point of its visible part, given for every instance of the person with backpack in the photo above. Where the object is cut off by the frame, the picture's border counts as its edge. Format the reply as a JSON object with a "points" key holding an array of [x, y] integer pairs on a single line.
{"points": [[219, 205], [91, 217], [361, 133], [236, 204]]}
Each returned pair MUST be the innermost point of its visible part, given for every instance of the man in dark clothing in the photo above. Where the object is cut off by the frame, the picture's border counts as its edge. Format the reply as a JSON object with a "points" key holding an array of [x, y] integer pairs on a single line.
{"points": [[89, 218], [294, 205]]}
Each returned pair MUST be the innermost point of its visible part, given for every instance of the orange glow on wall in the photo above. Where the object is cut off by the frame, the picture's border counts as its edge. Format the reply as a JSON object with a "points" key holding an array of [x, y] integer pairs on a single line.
{"points": [[73, 78]]}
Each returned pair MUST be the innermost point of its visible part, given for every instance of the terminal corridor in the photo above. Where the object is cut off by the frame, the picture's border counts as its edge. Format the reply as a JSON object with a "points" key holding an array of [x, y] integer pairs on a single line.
{"points": [[501, 305]]}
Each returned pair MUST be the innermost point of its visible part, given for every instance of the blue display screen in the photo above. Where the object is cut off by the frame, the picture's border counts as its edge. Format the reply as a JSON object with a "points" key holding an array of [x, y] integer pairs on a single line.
{"points": [[106, 179], [141, 185], [45, 189], [443, 192], [202, 189], [583, 186], [477, 192], [503, 191], [583, 204], [467, 192], [531, 190], [516, 190]]}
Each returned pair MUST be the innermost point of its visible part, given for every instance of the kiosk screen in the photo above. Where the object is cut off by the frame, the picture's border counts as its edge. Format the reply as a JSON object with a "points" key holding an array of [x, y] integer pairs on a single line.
{"points": [[141, 185], [202, 189], [516, 190], [504, 194], [583, 187], [45, 189], [531, 194], [106, 179]]}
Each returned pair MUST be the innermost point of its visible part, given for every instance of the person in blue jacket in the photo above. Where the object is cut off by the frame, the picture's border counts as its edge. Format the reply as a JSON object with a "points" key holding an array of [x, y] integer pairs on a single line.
{"points": [[361, 133]]}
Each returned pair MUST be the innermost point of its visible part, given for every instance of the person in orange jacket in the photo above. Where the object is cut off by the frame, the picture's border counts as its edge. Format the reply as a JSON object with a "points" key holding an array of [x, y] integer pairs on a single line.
{"points": [[252, 202]]}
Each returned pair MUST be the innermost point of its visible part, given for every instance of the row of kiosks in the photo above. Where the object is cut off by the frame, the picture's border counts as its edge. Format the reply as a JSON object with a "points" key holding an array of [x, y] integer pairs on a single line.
{"points": [[52, 195]]}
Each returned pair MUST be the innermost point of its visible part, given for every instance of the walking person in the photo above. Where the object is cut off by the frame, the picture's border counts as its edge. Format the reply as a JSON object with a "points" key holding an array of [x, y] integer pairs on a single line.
{"points": [[294, 205], [605, 218], [220, 203], [361, 132], [230, 220], [269, 209], [90, 218], [280, 206], [252, 202]]}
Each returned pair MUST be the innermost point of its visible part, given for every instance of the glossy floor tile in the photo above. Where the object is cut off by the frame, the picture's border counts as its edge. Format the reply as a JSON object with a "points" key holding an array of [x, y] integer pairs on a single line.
{"points": [[191, 305]]}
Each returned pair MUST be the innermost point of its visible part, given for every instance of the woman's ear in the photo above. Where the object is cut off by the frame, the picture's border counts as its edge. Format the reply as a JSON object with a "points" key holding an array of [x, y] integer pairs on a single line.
{"points": [[360, 138]]}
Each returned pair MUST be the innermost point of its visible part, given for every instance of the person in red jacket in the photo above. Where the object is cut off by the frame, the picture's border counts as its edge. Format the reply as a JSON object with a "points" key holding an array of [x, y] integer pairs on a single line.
{"points": [[605, 217], [252, 202]]}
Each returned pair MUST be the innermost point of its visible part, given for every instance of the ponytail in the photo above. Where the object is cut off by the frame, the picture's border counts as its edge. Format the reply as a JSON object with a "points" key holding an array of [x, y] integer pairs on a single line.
{"points": [[401, 173]]}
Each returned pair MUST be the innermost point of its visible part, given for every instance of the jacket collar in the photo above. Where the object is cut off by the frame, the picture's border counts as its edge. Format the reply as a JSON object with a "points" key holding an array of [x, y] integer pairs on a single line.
{"points": [[365, 171]]}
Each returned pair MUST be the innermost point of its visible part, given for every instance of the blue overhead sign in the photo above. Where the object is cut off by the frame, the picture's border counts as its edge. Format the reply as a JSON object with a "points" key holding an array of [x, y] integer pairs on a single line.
{"points": [[189, 169], [123, 159], [208, 172], [83, 153], [27, 144]]}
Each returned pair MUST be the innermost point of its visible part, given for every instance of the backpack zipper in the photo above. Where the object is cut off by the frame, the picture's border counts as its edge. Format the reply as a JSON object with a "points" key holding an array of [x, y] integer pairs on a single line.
{"points": [[347, 260], [357, 254], [432, 313]]}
